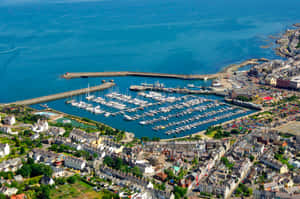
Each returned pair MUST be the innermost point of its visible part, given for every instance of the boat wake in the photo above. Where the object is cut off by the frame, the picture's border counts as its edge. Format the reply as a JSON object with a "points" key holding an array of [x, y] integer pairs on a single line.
{"points": [[12, 50]]}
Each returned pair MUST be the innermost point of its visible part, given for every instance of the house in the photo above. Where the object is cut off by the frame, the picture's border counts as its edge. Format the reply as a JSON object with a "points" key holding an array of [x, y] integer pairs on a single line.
{"points": [[18, 178], [8, 191], [83, 137], [9, 120], [56, 131], [75, 163], [40, 126], [47, 180], [40, 155], [8, 130], [271, 81], [145, 167], [57, 172], [19, 196], [161, 176], [4, 150], [282, 168], [11, 165], [35, 136]]}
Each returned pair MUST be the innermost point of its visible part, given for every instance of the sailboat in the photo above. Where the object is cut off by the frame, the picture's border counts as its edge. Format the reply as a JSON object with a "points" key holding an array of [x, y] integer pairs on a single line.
{"points": [[89, 97]]}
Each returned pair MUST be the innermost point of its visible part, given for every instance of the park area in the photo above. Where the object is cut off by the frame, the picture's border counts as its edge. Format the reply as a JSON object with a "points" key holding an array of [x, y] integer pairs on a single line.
{"points": [[78, 190]]}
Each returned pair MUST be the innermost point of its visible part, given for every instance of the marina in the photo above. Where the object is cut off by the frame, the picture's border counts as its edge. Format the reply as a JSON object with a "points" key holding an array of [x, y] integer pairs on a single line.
{"points": [[155, 112], [152, 113]]}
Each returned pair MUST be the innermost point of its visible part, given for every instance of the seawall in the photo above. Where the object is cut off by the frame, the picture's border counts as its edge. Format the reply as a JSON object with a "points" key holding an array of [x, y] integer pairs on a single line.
{"points": [[63, 95], [224, 71]]}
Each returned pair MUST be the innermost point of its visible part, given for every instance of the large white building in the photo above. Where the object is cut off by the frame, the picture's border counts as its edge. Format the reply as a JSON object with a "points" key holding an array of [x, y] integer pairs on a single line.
{"points": [[40, 126], [295, 82]]}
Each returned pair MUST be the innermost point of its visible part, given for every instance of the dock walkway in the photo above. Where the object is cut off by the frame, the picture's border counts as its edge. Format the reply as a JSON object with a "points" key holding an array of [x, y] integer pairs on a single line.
{"points": [[64, 94]]}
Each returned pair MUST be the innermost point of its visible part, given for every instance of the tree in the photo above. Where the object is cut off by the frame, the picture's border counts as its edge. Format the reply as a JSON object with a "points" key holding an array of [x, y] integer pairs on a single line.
{"points": [[179, 191], [22, 150], [2, 196], [108, 161], [118, 163], [72, 179], [30, 161], [43, 192], [60, 181], [25, 170], [136, 171]]}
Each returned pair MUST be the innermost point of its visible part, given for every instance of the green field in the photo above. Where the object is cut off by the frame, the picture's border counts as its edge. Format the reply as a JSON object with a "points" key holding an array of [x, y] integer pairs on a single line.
{"points": [[75, 123], [79, 190]]}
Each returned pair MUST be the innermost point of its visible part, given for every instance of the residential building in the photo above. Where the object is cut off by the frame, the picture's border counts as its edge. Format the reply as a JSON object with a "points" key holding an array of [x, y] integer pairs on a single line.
{"points": [[56, 131], [9, 120], [75, 163], [40, 126], [8, 191], [4, 150]]}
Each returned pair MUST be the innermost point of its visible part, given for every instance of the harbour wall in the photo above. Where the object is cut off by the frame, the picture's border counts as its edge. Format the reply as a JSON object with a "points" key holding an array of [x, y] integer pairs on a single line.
{"points": [[140, 74], [63, 95], [226, 70]]}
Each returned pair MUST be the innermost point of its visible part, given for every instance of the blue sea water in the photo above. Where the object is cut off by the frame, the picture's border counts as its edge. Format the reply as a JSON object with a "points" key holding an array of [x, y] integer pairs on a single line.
{"points": [[42, 39]]}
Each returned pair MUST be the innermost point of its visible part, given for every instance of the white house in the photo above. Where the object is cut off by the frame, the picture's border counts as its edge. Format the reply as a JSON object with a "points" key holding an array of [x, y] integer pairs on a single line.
{"points": [[8, 130], [145, 167], [9, 120], [4, 150], [57, 172], [35, 136], [47, 180], [75, 163], [8, 191], [40, 126]]}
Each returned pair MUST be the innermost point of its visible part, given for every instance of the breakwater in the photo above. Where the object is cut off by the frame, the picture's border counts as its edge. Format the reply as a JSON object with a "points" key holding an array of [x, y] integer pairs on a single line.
{"points": [[229, 69], [64, 94], [141, 74]]}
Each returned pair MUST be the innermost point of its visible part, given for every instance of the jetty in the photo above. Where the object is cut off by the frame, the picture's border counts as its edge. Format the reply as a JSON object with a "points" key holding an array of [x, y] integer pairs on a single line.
{"points": [[140, 74], [176, 90], [63, 95]]}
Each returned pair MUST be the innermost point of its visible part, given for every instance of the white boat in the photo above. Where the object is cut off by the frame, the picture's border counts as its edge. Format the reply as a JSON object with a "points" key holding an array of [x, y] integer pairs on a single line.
{"points": [[128, 118], [107, 114], [142, 122], [89, 97]]}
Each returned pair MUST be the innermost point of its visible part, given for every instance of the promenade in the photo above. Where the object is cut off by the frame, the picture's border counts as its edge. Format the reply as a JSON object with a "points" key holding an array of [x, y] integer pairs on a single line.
{"points": [[63, 95]]}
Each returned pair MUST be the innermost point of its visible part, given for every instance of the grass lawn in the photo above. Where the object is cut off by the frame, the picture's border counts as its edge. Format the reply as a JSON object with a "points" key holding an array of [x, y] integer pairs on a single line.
{"points": [[211, 134], [75, 123], [4, 140], [79, 190]]}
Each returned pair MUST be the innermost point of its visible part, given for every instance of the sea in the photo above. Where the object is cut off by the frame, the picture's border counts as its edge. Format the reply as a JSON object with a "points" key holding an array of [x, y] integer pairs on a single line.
{"points": [[42, 39]]}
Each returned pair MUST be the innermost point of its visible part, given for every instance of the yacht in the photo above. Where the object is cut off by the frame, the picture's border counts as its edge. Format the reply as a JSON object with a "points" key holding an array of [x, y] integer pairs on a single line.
{"points": [[128, 118]]}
